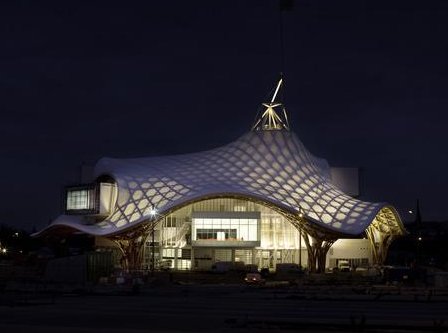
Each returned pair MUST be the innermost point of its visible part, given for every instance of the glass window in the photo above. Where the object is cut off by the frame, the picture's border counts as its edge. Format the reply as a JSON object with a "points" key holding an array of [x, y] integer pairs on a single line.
{"points": [[171, 221], [78, 199], [225, 229]]}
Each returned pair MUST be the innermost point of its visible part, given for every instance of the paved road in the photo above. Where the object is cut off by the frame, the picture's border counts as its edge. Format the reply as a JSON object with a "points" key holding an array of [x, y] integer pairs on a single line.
{"points": [[223, 309]]}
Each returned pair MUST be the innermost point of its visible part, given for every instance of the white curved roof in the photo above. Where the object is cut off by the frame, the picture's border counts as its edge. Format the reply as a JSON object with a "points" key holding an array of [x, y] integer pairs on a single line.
{"points": [[272, 166]]}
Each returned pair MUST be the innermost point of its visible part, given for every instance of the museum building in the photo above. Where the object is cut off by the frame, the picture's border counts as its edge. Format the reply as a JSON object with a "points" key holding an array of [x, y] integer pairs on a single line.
{"points": [[262, 200]]}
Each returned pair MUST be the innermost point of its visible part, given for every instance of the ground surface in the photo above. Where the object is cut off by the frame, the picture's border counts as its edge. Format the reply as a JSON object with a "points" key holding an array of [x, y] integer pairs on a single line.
{"points": [[225, 308]]}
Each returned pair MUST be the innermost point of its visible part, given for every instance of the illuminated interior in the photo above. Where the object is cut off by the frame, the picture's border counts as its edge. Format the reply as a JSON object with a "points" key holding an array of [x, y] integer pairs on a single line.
{"points": [[226, 229], [91, 199]]}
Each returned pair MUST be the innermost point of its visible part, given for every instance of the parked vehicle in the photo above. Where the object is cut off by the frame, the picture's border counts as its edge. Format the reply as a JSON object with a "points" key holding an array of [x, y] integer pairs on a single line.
{"points": [[250, 268], [165, 265], [226, 266], [254, 278], [344, 266], [288, 268]]}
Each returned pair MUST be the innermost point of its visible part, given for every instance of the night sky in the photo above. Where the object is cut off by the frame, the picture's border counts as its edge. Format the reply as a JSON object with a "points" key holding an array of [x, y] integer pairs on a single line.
{"points": [[366, 86]]}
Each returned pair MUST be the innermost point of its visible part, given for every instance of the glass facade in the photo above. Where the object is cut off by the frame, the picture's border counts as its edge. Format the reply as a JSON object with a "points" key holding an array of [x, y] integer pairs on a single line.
{"points": [[225, 230]]}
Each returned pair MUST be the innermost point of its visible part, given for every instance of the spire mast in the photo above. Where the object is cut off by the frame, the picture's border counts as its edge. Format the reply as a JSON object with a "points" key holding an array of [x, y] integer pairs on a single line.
{"points": [[270, 119], [277, 89]]}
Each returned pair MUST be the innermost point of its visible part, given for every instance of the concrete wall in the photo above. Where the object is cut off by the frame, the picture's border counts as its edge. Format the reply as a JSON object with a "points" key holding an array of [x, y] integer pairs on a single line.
{"points": [[349, 249]]}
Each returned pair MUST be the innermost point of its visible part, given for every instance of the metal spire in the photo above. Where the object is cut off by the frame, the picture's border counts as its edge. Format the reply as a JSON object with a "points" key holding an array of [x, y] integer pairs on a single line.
{"points": [[274, 116]]}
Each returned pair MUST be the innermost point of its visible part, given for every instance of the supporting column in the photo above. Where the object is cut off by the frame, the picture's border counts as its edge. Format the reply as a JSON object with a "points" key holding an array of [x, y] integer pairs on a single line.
{"points": [[379, 244], [317, 252], [385, 227], [132, 247], [300, 248], [317, 242], [175, 258], [132, 250]]}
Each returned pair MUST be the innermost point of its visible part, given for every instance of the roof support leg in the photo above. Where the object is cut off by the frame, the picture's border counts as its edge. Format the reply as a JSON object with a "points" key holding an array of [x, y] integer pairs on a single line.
{"points": [[317, 243], [385, 227], [379, 244], [317, 252], [132, 250]]}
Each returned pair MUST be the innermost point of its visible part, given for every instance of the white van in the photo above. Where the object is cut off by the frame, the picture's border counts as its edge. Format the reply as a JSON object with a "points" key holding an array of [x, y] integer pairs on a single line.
{"points": [[344, 266]]}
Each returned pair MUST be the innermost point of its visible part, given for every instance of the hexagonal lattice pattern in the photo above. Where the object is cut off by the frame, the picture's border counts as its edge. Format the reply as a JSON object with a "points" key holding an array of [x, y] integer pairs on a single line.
{"points": [[272, 166]]}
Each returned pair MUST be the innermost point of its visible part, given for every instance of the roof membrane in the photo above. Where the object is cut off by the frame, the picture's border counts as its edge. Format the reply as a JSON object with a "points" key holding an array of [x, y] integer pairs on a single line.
{"points": [[269, 166]]}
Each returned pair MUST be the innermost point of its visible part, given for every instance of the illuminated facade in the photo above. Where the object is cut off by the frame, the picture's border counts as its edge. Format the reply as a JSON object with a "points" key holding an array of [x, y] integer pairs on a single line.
{"points": [[262, 199]]}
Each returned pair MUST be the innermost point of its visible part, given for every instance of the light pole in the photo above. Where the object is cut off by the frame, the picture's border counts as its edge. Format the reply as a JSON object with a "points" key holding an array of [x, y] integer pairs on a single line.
{"points": [[300, 239], [300, 247], [153, 213], [153, 255]]}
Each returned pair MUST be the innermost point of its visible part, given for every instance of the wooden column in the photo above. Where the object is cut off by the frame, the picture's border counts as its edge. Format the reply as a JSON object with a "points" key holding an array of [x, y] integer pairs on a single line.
{"points": [[317, 251]]}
